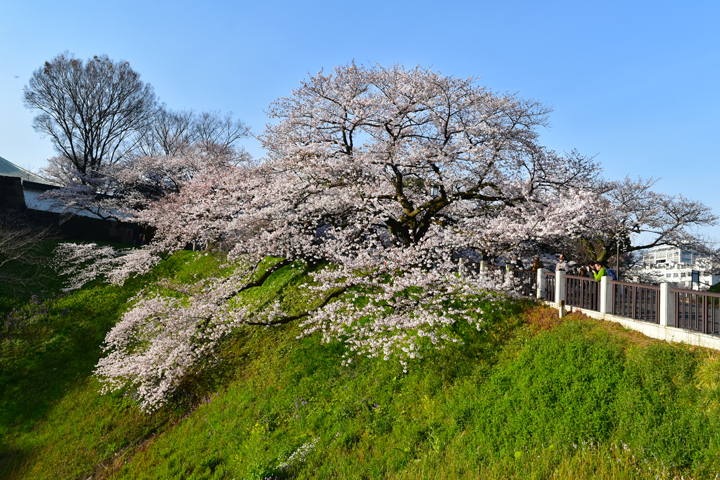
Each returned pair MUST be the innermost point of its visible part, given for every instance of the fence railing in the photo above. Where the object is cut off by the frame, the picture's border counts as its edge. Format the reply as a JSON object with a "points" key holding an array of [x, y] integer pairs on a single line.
{"points": [[636, 301], [549, 291], [658, 304], [697, 311], [526, 281], [582, 292]]}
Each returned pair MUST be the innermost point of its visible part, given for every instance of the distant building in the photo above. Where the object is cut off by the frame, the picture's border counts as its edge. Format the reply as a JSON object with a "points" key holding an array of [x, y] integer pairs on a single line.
{"points": [[675, 265], [21, 188], [9, 169], [32, 187], [19, 197], [664, 255]]}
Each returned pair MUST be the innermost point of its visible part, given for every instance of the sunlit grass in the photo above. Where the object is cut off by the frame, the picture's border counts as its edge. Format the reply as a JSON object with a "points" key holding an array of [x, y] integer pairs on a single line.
{"points": [[526, 396]]}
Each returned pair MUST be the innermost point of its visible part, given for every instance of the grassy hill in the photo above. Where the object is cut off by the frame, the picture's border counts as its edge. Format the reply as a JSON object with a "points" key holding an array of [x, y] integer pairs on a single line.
{"points": [[528, 396]]}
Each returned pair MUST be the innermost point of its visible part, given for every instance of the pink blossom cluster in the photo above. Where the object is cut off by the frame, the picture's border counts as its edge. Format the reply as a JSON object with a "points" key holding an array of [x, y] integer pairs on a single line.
{"points": [[85, 262], [162, 338]]}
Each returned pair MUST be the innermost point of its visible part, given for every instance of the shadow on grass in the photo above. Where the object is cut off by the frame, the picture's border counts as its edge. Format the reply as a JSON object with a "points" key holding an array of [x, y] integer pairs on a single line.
{"points": [[54, 357], [11, 459], [49, 403], [19, 281], [50, 360]]}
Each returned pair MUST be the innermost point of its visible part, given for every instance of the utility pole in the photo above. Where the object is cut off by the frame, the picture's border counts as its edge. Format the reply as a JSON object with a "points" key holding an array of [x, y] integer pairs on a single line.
{"points": [[617, 255]]}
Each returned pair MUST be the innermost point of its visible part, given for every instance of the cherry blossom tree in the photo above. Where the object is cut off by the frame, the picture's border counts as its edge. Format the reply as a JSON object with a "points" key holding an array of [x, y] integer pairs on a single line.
{"points": [[379, 180], [119, 191], [167, 149], [636, 218]]}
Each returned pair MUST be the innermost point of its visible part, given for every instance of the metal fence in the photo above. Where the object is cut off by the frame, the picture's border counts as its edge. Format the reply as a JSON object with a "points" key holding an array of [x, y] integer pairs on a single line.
{"points": [[582, 292], [636, 301], [549, 293], [526, 280], [697, 311], [691, 310]]}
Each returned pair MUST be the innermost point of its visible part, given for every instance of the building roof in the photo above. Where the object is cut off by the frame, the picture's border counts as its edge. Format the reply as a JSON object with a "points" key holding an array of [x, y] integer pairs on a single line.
{"points": [[9, 169]]}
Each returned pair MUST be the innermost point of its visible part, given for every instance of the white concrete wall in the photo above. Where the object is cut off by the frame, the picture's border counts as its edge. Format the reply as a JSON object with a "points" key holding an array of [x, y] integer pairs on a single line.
{"points": [[32, 201], [664, 330], [653, 330]]}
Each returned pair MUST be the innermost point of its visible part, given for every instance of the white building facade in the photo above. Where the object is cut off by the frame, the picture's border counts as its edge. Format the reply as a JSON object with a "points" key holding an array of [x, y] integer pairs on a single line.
{"points": [[675, 265]]}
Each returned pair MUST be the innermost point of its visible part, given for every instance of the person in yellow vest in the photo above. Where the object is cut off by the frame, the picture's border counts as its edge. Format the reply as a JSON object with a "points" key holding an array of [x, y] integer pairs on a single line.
{"points": [[599, 271]]}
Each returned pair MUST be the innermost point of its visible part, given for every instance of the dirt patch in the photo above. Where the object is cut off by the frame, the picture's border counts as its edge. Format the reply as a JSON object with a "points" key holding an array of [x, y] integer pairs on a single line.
{"points": [[544, 317]]}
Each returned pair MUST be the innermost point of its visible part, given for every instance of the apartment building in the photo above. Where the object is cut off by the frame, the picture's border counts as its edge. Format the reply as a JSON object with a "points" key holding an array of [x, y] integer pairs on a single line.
{"points": [[675, 265]]}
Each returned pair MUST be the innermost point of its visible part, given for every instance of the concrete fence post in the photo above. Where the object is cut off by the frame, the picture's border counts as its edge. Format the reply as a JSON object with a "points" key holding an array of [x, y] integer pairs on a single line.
{"points": [[559, 287], [482, 265], [605, 300], [667, 306], [541, 283]]}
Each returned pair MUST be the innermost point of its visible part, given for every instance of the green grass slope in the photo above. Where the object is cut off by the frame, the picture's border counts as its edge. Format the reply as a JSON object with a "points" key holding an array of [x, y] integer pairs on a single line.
{"points": [[527, 396], [53, 423]]}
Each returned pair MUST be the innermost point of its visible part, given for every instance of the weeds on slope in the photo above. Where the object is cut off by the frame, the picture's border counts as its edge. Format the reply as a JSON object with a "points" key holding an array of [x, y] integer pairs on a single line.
{"points": [[526, 396]]}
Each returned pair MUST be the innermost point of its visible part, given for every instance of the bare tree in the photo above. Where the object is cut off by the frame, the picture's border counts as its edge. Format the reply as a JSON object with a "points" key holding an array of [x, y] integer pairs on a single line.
{"points": [[217, 134], [168, 134], [92, 111], [171, 133]]}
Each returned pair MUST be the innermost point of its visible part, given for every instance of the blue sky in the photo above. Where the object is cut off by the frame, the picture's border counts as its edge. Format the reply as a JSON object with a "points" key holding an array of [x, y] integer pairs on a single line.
{"points": [[635, 83]]}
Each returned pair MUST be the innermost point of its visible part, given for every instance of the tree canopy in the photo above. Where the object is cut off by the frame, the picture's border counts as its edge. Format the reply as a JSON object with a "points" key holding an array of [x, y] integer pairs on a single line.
{"points": [[92, 111], [117, 147], [634, 218], [381, 180]]}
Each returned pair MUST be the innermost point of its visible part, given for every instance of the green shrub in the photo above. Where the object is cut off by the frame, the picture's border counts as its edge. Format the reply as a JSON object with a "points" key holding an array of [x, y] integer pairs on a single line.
{"points": [[558, 387], [659, 408]]}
